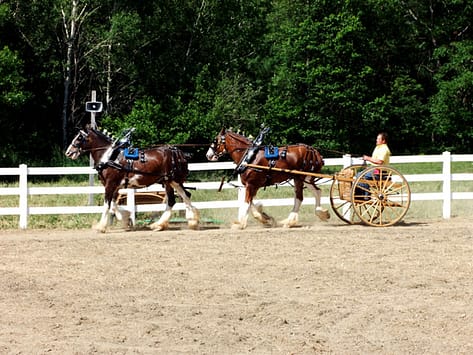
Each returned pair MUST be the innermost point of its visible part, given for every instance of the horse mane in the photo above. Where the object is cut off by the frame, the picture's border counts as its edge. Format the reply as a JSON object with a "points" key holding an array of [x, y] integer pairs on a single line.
{"points": [[238, 136], [101, 133]]}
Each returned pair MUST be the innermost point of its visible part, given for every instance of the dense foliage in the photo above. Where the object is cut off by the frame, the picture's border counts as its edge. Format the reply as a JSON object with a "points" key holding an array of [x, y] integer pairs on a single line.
{"points": [[330, 73]]}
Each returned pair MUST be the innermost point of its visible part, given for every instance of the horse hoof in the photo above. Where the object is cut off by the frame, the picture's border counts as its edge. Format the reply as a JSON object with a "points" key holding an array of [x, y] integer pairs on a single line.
{"points": [[158, 227], [270, 223], [291, 221], [289, 224], [126, 221], [128, 226], [323, 215], [194, 225], [99, 228], [237, 225]]}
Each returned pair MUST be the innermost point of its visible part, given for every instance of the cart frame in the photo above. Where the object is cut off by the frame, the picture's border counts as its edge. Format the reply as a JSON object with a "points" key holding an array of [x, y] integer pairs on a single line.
{"points": [[377, 196]]}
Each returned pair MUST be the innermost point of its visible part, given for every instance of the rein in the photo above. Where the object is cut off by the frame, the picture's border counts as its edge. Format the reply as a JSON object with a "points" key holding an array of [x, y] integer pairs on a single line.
{"points": [[94, 149]]}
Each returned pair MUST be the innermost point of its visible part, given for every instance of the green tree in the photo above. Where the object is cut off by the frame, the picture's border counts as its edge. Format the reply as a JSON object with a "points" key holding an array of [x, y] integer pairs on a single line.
{"points": [[328, 73], [196, 65], [30, 29], [452, 105], [321, 74], [12, 96], [440, 37], [12, 80]]}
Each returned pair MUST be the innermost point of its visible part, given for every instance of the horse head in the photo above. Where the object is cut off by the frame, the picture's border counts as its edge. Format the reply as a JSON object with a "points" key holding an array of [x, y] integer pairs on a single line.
{"points": [[88, 140], [227, 142], [217, 147], [76, 147]]}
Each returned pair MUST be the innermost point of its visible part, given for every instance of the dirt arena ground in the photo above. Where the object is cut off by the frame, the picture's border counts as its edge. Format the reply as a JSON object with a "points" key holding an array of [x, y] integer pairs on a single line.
{"points": [[320, 288]]}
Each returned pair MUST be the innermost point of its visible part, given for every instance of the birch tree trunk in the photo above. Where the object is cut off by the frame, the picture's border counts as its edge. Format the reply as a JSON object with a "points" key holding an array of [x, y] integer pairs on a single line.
{"points": [[71, 24]]}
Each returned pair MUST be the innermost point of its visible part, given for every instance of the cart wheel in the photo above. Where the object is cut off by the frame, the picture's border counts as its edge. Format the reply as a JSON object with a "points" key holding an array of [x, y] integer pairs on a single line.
{"points": [[340, 194], [382, 201]]}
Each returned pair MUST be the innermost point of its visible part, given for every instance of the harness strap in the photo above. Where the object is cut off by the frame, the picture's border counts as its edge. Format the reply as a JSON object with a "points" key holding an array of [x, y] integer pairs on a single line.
{"points": [[108, 164]]}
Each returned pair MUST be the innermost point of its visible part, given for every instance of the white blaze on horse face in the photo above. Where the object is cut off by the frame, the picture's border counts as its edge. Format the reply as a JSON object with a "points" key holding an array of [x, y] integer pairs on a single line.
{"points": [[70, 152], [73, 151], [211, 154]]}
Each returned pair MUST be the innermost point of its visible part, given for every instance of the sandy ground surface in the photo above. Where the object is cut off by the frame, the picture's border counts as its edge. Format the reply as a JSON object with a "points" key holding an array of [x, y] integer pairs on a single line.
{"points": [[320, 288]]}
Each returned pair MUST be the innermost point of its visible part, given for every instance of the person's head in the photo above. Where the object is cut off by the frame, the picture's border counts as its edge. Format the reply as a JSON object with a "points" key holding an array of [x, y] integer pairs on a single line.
{"points": [[382, 138]]}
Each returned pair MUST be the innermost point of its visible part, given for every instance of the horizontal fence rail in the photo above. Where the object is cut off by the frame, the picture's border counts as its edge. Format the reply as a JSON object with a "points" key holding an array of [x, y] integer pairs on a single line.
{"points": [[23, 191]]}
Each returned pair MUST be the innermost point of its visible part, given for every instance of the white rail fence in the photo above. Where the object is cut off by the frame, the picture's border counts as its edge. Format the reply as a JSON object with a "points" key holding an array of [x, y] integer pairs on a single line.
{"points": [[23, 191]]}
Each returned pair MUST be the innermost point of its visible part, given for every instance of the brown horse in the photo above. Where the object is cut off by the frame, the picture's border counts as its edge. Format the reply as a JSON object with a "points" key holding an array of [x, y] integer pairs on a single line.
{"points": [[299, 157], [165, 165]]}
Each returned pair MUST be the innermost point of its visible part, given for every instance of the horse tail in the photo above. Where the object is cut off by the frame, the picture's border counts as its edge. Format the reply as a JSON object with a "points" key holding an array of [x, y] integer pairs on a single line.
{"points": [[180, 167]]}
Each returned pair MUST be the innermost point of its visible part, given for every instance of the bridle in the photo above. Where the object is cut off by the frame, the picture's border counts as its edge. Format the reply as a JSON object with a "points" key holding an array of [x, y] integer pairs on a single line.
{"points": [[216, 144], [221, 141], [79, 140]]}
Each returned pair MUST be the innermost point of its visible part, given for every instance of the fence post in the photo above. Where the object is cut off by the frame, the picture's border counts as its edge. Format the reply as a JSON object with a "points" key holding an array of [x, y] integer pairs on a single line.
{"points": [[447, 184], [347, 160], [131, 204], [23, 203]]}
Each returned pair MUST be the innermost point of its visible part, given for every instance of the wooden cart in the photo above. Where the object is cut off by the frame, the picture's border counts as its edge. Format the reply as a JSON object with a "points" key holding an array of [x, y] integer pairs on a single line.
{"points": [[380, 202]]}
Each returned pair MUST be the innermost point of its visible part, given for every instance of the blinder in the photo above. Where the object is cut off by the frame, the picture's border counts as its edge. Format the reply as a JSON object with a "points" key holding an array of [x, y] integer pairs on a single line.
{"points": [[216, 144], [78, 142], [81, 136]]}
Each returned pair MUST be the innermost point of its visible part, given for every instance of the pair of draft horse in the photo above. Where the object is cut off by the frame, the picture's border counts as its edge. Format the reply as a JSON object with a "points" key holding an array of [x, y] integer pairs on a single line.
{"points": [[168, 166]]}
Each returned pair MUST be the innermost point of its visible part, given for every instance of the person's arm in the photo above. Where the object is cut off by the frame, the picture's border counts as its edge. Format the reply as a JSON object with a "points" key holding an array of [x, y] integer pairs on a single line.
{"points": [[372, 160]]}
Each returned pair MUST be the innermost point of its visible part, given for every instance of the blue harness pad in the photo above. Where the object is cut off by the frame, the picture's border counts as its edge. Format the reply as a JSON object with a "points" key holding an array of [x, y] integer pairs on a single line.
{"points": [[131, 153], [271, 152]]}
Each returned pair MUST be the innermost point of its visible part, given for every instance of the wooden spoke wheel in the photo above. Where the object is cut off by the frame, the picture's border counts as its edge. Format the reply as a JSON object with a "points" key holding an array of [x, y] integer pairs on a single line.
{"points": [[340, 194], [380, 196]]}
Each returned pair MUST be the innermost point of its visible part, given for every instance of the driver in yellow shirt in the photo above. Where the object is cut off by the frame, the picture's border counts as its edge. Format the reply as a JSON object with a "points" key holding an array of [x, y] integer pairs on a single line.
{"points": [[381, 152], [380, 156]]}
